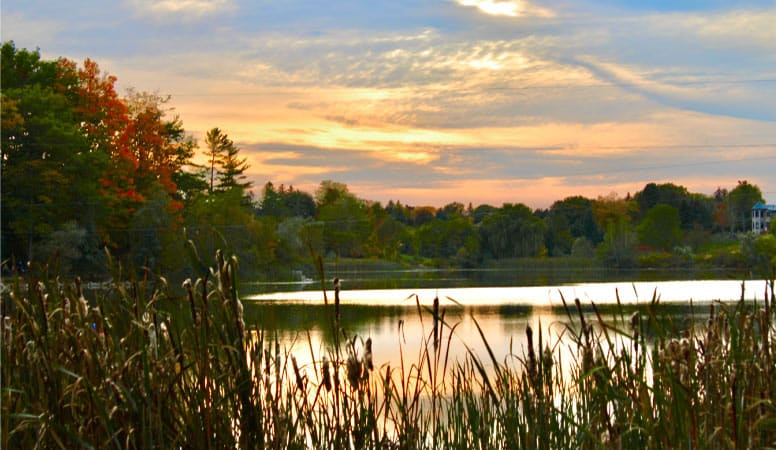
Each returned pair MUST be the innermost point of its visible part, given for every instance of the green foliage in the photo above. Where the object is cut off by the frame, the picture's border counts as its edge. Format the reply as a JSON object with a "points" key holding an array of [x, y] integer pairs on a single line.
{"points": [[582, 248], [695, 210], [568, 220], [512, 231], [49, 179], [329, 192], [660, 228], [619, 246], [284, 202], [759, 253], [74, 152], [392, 238], [120, 169], [346, 224], [740, 201], [225, 164], [454, 240], [222, 220]]}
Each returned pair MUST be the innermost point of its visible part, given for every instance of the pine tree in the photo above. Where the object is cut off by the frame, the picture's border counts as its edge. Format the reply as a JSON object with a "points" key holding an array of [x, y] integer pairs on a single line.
{"points": [[216, 143], [232, 173]]}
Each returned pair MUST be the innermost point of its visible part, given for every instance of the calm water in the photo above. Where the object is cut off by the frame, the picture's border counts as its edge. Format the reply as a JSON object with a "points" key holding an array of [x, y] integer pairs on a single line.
{"points": [[397, 320]]}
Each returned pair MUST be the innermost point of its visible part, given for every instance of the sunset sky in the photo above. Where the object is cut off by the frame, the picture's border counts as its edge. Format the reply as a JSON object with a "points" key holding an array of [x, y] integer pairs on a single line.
{"points": [[429, 102]]}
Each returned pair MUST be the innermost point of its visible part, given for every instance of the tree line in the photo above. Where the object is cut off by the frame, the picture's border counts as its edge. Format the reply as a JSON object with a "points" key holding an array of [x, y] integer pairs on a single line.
{"points": [[85, 170]]}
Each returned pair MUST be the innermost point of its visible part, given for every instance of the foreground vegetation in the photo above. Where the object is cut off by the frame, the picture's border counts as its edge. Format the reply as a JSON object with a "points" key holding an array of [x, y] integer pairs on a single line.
{"points": [[136, 367]]}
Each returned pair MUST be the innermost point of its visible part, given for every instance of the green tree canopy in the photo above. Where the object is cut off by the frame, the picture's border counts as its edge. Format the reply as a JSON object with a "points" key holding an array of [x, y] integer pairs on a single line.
{"points": [[569, 219], [512, 231], [661, 228], [740, 201]]}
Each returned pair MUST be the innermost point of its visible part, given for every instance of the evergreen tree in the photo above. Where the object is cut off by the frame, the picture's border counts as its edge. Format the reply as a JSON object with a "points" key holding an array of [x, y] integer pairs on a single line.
{"points": [[216, 143], [232, 173]]}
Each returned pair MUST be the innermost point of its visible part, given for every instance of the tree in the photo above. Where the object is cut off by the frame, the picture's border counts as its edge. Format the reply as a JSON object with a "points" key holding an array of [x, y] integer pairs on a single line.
{"points": [[695, 210], [740, 201], [454, 239], [346, 222], [661, 227], [329, 191], [618, 248], [760, 254], [481, 211], [512, 231], [271, 203], [48, 173], [346, 226], [73, 150], [608, 209], [298, 203], [232, 174], [285, 202], [450, 211], [569, 219], [216, 142], [226, 166]]}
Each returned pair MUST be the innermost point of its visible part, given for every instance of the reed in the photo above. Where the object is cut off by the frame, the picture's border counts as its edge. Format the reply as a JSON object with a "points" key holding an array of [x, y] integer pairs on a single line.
{"points": [[136, 367]]}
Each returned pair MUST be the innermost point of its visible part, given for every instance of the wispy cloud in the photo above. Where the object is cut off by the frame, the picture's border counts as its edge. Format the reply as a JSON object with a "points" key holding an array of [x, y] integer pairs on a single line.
{"points": [[431, 102], [181, 9], [736, 97]]}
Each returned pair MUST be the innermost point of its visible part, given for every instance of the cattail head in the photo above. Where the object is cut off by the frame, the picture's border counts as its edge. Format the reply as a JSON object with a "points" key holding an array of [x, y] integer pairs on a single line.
{"points": [[368, 355], [531, 353], [326, 375], [336, 300], [192, 303], [353, 370], [297, 374]]}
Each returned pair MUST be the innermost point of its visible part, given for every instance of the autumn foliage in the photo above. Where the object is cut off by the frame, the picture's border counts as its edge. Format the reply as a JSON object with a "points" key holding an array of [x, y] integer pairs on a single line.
{"points": [[104, 155]]}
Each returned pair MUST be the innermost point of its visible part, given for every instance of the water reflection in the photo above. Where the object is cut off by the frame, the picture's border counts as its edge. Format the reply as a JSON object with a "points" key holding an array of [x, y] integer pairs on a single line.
{"points": [[398, 320], [531, 272]]}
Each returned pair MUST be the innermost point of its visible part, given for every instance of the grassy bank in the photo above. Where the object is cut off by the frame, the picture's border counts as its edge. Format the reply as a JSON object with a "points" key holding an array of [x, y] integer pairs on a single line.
{"points": [[139, 368]]}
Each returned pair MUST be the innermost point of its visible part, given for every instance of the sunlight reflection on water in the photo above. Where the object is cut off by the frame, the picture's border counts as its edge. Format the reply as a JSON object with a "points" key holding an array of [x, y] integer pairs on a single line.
{"points": [[704, 291], [390, 316]]}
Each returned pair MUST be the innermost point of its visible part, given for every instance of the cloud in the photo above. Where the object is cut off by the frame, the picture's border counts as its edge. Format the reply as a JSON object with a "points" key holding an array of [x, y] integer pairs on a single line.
{"points": [[182, 9], [739, 98], [508, 8], [27, 32]]}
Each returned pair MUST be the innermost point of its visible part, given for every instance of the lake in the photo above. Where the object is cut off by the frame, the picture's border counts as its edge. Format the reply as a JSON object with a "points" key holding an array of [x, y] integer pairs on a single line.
{"points": [[399, 322]]}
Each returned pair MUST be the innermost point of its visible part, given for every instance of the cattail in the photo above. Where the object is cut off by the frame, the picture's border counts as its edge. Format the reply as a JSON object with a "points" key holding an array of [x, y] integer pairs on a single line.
{"points": [[43, 300], [326, 374], [152, 339], [387, 383], [353, 370], [7, 329], [436, 322], [299, 381], [190, 292], [635, 322], [531, 353], [336, 299], [368, 355]]}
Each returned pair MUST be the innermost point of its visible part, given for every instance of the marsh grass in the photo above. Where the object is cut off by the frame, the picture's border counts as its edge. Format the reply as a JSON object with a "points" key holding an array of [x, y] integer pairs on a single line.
{"points": [[137, 367]]}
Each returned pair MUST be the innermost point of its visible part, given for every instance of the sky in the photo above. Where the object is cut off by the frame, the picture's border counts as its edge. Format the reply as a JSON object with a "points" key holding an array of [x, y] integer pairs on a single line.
{"points": [[438, 101]]}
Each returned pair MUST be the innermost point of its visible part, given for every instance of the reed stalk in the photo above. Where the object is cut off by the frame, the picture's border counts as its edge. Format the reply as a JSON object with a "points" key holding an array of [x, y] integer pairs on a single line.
{"points": [[135, 367]]}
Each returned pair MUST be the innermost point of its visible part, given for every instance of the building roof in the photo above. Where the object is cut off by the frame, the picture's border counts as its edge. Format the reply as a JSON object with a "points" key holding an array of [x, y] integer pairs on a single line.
{"points": [[761, 205]]}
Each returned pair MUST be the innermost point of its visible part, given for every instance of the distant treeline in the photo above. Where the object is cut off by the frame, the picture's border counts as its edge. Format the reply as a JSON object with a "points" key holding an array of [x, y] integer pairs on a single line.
{"points": [[85, 170]]}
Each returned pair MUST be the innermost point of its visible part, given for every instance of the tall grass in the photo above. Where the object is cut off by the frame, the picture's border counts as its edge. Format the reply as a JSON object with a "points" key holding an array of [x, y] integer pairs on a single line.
{"points": [[142, 368]]}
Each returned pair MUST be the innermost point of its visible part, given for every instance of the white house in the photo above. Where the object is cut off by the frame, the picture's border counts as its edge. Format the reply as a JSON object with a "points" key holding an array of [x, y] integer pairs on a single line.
{"points": [[761, 217]]}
